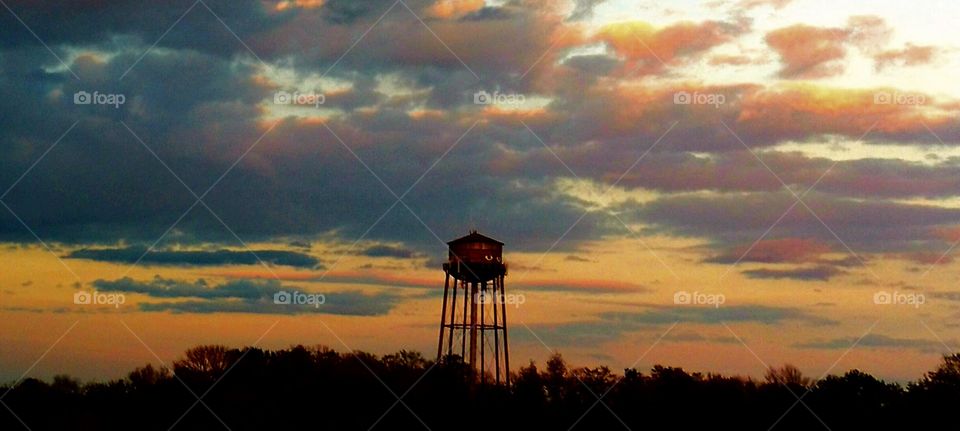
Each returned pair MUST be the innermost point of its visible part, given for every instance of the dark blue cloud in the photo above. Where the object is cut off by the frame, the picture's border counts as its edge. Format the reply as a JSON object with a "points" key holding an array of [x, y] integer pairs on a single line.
{"points": [[100, 185], [350, 11], [488, 13], [195, 99], [388, 251], [878, 341], [93, 23], [246, 296], [817, 273], [197, 257]]}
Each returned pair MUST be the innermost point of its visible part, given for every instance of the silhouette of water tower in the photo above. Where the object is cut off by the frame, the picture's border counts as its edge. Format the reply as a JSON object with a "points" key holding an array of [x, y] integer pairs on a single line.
{"points": [[474, 306]]}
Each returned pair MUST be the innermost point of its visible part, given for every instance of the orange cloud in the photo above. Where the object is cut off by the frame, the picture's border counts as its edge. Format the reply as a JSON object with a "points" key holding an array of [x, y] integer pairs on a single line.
{"points": [[651, 48], [447, 9], [796, 111], [809, 52], [730, 60], [911, 55]]}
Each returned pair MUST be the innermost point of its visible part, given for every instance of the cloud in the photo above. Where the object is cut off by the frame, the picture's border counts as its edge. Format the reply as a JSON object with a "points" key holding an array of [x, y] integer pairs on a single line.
{"points": [[741, 171], [285, 188], [583, 286], [650, 49], [869, 33], [877, 341], [91, 188], [389, 251], [197, 257], [492, 41], [398, 102], [816, 52], [910, 55], [350, 11], [244, 296], [809, 52], [583, 9], [751, 4], [367, 277], [395, 279], [575, 258], [715, 316], [99, 23], [733, 219], [454, 8], [680, 336], [167, 288], [801, 111], [926, 257], [611, 326], [730, 60], [792, 250], [606, 127], [817, 273]]}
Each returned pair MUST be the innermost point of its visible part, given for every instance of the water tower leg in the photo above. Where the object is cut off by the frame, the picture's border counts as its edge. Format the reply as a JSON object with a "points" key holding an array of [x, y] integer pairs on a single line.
{"points": [[506, 345], [496, 331], [483, 330], [473, 325], [453, 312], [443, 316], [463, 330]]}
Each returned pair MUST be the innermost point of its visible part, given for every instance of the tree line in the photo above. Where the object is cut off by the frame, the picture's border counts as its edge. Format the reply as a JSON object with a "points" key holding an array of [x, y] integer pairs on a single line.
{"points": [[215, 387]]}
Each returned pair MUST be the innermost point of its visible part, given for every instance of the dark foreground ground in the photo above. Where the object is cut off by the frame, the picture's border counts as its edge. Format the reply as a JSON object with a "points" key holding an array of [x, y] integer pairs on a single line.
{"points": [[317, 388]]}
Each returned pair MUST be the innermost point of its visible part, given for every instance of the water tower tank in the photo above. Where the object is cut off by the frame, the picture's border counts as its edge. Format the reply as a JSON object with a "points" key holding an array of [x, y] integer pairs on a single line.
{"points": [[475, 257], [476, 248]]}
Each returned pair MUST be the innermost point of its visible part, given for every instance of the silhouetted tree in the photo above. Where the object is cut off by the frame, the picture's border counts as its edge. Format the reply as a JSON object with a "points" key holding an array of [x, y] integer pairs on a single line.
{"points": [[317, 387], [209, 361], [788, 375]]}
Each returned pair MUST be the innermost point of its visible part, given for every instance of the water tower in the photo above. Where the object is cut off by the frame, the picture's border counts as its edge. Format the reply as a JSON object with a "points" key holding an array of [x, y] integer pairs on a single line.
{"points": [[473, 320]]}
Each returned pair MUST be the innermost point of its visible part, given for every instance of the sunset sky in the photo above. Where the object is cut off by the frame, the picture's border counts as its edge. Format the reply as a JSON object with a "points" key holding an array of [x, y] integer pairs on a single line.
{"points": [[799, 160]]}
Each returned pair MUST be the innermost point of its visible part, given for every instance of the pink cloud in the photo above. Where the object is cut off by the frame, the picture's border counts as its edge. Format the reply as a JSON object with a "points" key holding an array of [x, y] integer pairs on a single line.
{"points": [[809, 52]]}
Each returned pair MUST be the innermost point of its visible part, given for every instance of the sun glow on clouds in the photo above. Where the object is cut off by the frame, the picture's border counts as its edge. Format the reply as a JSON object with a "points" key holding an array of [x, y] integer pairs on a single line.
{"points": [[304, 4], [454, 8], [598, 196], [804, 81]]}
